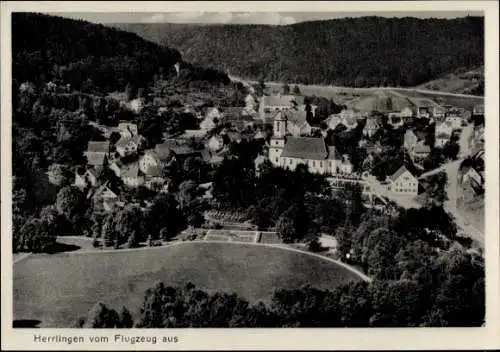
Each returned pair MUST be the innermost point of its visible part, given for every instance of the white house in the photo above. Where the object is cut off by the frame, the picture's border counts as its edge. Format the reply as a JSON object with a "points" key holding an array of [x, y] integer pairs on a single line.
{"points": [[271, 104], [454, 121], [129, 145], [471, 173], [402, 182]]}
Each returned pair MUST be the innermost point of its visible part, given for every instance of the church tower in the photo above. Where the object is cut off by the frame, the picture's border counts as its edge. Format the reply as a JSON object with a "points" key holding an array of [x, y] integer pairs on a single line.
{"points": [[278, 139]]}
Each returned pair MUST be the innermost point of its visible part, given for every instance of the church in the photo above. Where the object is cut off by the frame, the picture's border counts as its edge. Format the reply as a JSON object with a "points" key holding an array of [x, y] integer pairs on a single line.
{"points": [[288, 151]]}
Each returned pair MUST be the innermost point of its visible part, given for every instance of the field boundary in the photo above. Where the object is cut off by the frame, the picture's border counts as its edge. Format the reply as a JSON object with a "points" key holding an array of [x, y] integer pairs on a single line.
{"points": [[279, 246]]}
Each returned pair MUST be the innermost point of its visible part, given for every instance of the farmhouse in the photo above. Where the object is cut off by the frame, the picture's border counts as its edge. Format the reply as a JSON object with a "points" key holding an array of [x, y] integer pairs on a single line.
{"points": [[403, 182], [104, 198]]}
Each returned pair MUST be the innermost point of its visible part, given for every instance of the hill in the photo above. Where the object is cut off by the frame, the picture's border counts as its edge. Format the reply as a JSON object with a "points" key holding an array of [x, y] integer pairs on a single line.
{"points": [[462, 81], [367, 51], [80, 53]]}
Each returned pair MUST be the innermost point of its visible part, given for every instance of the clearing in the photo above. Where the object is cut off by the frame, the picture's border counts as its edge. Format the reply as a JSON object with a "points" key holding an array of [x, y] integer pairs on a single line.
{"points": [[57, 289]]}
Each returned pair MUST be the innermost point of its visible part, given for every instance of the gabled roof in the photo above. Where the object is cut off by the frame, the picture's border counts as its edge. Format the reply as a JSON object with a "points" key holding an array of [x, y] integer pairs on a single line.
{"points": [[398, 173], [101, 147], [122, 142], [163, 150], [305, 148]]}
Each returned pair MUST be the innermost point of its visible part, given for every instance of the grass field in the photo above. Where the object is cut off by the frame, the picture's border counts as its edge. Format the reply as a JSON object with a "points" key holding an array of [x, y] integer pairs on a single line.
{"points": [[57, 289]]}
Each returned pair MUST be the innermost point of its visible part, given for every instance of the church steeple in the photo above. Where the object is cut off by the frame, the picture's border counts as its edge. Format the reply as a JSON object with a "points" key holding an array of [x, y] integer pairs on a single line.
{"points": [[280, 122]]}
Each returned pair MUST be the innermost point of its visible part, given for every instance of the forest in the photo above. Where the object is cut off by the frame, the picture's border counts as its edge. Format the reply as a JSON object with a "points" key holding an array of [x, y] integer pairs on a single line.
{"points": [[358, 52], [91, 57]]}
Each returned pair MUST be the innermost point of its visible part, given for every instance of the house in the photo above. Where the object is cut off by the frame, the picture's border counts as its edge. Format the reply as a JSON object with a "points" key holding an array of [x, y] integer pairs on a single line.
{"points": [[350, 122], [444, 127], [403, 114], [441, 139], [126, 146], [212, 117], [259, 160], [127, 129], [371, 127], [421, 151], [271, 104], [215, 143], [97, 153], [104, 198], [424, 112], [130, 175], [470, 173], [438, 112], [454, 121], [297, 124], [237, 117], [251, 103], [478, 109], [395, 121], [410, 140], [402, 182]]}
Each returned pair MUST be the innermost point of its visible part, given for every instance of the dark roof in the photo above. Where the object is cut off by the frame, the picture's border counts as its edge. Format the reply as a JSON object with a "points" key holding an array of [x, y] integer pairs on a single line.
{"points": [[102, 147], [398, 173], [305, 148], [163, 150]]}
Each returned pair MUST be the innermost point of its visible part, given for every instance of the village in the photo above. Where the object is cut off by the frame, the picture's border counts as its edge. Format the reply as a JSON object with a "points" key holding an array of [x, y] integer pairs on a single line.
{"points": [[280, 121]]}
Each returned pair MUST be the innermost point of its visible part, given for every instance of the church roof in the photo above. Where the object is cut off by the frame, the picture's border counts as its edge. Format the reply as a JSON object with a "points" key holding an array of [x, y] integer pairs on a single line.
{"points": [[305, 148]]}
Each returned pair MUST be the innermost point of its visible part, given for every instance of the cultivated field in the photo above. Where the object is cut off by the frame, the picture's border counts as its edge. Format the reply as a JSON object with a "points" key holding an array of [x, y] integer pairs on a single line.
{"points": [[57, 289]]}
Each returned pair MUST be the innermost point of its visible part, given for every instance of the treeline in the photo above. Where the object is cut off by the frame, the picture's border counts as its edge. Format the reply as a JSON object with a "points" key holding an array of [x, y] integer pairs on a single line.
{"points": [[433, 290], [367, 51], [89, 56]]}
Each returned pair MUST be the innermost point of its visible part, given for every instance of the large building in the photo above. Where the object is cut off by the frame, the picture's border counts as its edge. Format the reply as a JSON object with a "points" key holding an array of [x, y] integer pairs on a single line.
{"points": [[289, 151]]}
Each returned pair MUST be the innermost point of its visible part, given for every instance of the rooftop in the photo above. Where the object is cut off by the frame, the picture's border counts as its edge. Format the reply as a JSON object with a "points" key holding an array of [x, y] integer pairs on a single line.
{"points": [[305, 148], [101, 147], [398, 173]]}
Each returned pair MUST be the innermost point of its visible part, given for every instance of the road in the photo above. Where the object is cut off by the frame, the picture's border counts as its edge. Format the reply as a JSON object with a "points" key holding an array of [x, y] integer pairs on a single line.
{"points": [[451, 170], [247, 82]]}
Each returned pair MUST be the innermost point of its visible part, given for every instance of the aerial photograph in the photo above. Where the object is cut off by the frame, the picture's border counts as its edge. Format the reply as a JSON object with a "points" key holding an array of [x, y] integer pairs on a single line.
{"points": [[248, 170]]}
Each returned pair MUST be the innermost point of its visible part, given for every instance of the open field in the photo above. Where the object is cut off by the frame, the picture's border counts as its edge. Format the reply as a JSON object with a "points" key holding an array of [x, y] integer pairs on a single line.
{"points": [[57, 289]]}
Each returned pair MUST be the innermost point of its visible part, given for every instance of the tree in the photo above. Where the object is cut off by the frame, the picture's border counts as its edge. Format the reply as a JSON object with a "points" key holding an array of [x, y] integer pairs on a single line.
{"points": [[100, 316], [187, 192], [435, 193], [451, 150], [293, 224], [70, 202], [126, 318], [296, 90], [285, 89], [129, 226]]}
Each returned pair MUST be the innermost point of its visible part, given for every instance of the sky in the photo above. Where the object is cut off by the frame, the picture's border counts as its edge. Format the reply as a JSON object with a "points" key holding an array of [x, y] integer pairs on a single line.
{"points": [[270, 18]]}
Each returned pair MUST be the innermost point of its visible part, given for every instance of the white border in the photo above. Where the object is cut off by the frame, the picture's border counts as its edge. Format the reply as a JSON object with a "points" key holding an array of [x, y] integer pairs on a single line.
{"points": [[487, 337]]}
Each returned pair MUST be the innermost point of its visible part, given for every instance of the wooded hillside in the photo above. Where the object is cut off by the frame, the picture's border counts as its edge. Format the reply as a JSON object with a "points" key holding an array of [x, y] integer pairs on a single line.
{"points": [[367, 51]]}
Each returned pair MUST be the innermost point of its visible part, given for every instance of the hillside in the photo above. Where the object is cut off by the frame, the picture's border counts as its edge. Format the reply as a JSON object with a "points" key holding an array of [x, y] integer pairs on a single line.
{"points": [[48, 48], [367, 51], [461, 81]]}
